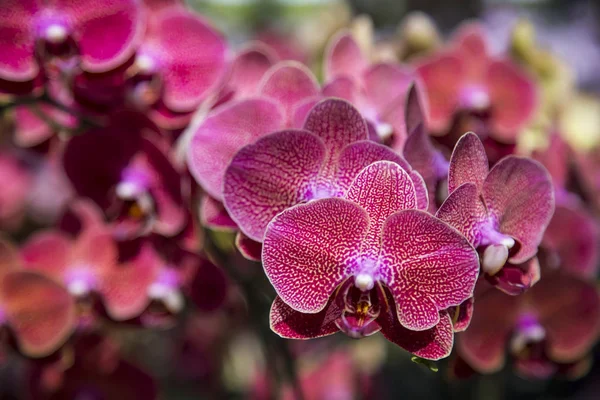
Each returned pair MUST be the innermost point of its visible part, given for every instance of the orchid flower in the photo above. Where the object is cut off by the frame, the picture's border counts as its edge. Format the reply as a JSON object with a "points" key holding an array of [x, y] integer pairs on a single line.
{"points": [[367, 262], [503, 211]]}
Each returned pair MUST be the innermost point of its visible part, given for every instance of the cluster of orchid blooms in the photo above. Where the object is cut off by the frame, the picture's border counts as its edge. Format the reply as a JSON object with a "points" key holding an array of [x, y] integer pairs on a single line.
{"points": [[389, 197]]}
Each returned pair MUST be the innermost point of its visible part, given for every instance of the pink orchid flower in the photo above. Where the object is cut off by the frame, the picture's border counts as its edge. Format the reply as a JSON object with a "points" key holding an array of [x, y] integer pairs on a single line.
{"points": [[368, 262], [503, 211]]}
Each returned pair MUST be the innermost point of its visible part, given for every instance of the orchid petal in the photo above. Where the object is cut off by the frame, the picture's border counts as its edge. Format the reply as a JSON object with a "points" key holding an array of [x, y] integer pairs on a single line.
{"points": [[269, 176], [17, 41], [223, 133], [291, 324], [337, 123], [308, 248], [342, 87], [381, 189], [104, 49], [514, 99], [483, 344], [288, 83], [250, 249], [519, 193], [40, 312], [464, 211], [125, 287], [442, 77], [248, 68], [417, 247], [344, 57], [463, 315], [191, 57], [569, 311], [213, 215], [432, 344], [468, 163], [574, 235], [47, 253]]}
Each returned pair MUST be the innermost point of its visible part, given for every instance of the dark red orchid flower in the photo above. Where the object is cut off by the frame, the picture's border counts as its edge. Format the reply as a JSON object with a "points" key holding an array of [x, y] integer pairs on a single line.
{"points": [[503, 212], [290, 167], [555, 323], [378, 90], [122, 169], [370, 261]]}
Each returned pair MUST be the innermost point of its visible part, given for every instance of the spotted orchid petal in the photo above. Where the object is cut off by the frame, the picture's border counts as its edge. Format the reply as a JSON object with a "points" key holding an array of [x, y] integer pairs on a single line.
{"points": [[344, 57], [360, 154], [269, 176], [289, 167], [464, 211], [291, 324], [518, 192], [288, 83], [213, 215], [572, 237], [250, 249], [223, 133], [40, 312], [442, 77], [461, 315], [432, 344], [569, 311], [189, 54], [302, 267], [514, 98], [483, 345], [444, 260], [249, 67], [468, 163]]}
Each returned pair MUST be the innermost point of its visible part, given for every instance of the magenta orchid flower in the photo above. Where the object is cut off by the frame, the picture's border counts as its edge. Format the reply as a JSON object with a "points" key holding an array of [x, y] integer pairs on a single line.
{"points": [[503, 211], [39, 312], [467, 78], [189, 56], [367, 262], [378, 91], [104, 34], [123, 170], [556, 322], [289, 167]]}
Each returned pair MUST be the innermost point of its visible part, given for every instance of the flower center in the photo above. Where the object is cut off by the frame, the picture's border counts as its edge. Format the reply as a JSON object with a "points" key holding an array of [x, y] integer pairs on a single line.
{"points": [[166, 290], [80, 280], [134, 182], [528, 331], [496, 253], [55, 33], [474, 97], [360, 310]]}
